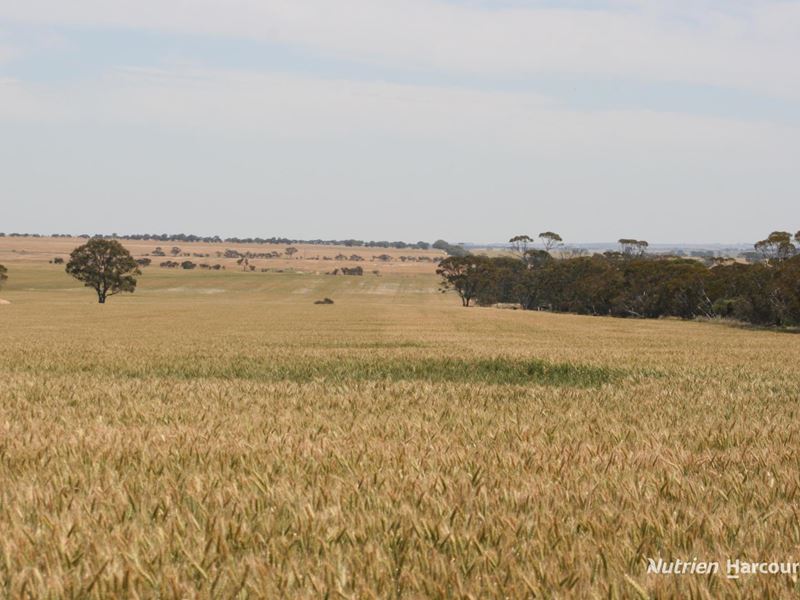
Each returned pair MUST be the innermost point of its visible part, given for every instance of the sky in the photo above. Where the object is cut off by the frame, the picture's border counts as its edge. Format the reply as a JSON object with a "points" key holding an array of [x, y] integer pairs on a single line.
{"points": [[469, 120]]}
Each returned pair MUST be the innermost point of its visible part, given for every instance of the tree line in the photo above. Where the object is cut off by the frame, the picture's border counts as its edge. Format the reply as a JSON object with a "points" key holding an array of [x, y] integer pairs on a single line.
{"points": [[215, 239], [630, 283]]}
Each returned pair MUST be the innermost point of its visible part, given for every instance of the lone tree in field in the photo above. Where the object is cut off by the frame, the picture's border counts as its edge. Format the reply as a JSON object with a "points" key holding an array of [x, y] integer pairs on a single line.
{"points": [[105, 266], [3, 275], [291, 251]]}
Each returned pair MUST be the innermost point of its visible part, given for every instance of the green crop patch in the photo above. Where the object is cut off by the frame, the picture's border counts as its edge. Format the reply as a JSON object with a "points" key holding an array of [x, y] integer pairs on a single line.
{"points": [[490, 371]]}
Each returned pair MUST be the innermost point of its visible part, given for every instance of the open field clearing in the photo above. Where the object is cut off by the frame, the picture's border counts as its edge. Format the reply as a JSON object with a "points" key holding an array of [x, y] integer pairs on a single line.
{"points": [[216, 434], [309, 257]]}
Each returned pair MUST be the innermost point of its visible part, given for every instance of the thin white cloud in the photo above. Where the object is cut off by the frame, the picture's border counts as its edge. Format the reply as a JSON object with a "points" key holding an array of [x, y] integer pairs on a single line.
{"points": [[8, 53], [304, 108], [746, 45]]}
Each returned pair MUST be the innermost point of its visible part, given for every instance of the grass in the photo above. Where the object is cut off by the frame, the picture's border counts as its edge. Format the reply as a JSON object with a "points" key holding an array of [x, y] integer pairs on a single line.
{"points": [[247, 443]]}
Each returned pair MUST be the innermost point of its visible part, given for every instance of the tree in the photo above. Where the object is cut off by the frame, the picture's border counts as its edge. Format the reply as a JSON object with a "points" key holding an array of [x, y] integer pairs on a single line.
{"points": [[536, 258], [175, 251], [550, 240], [450, 249], [291, 251], [467, 275], [3, 275], [633, 248], [243, 262], [105, 266], [520, 243], [777, 247]]}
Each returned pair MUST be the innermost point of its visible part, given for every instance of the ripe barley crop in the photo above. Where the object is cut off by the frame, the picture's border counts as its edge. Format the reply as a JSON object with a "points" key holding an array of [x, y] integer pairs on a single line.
{"points": [[393, 445]]}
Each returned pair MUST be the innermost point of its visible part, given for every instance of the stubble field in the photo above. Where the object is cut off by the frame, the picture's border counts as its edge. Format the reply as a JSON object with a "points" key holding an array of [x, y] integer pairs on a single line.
{"points": [[219, 435]]}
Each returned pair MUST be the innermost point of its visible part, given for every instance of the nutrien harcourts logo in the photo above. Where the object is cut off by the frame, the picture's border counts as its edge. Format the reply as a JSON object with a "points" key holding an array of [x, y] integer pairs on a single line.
{"points": [[733, 568]]}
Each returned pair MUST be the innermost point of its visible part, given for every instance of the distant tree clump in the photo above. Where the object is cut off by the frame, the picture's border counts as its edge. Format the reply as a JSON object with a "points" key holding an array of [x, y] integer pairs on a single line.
{"points": [[777, 246], [324, 301], [632, 248], [290, 251], [144, 262], [3, 275], [105, 266], [450, 249], [188, 265], [57, 260]]}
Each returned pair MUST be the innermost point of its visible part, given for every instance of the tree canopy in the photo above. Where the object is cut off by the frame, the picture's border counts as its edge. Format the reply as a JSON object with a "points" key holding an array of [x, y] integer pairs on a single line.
{"points": [[105, 266], [520, 243], [550, 239], [467, 275], [3, 275], [777, 246]]}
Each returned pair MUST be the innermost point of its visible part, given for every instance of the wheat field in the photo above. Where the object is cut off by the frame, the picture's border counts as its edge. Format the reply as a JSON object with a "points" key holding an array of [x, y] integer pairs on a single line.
{"points": [[219, 435]]}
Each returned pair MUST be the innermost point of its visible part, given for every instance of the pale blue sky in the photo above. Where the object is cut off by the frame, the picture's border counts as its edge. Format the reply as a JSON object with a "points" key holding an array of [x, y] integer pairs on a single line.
{"points": [[469, 120]]}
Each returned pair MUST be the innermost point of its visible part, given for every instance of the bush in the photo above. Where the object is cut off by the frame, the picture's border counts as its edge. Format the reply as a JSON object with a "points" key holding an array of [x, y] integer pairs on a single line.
{"points": [[356, 271], [450, 249]]}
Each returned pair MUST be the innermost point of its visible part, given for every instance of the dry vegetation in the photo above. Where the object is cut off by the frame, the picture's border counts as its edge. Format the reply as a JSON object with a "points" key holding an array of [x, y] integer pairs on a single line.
{"points": [[219, 435]]}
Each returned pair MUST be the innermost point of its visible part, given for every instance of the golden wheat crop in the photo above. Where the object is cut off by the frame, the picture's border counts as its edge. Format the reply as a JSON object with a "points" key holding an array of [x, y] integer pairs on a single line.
{"points": [[219, 435]]}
